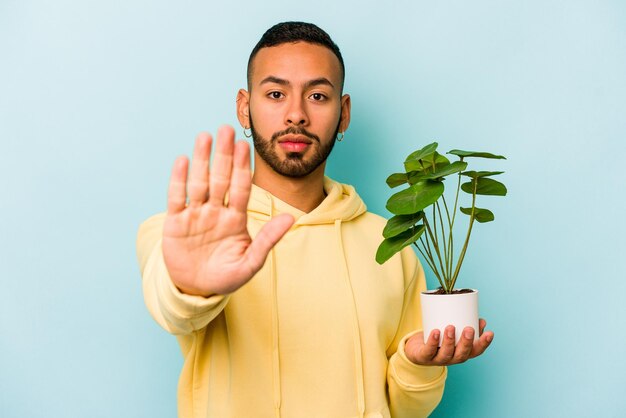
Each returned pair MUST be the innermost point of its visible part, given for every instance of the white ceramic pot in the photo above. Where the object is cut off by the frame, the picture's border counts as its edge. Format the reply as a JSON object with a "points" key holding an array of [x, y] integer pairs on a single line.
{"points": [[439, 311]]}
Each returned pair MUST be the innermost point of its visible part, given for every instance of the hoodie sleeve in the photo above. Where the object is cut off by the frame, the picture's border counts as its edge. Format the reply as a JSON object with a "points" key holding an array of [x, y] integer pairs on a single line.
{"points": [[176, 312], [414, 390]]}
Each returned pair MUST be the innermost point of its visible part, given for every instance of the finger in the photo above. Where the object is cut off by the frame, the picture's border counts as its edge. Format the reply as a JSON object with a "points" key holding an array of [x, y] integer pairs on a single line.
{"points": [[446, 351], [481, 326], [241, 181], [429, 350], [481, 345], [465, 345], [222, 165], [198, 186], [265, 240], [176, 195], [419, 351]]}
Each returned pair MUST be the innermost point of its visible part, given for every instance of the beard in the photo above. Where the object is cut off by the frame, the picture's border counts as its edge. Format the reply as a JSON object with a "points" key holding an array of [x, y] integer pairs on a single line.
{"points": [[294, 165]]}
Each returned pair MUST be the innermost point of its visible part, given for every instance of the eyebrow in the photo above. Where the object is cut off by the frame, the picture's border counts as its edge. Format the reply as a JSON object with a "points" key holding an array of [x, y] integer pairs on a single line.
{"points": [[311, 83]]}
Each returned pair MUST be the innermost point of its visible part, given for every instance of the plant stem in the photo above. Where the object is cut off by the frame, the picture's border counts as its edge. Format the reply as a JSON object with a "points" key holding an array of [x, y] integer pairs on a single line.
{"points": [[432, 267], [430, 232], [445, 206], [427, 247], [435, 239], [456, 201], [469, 231], [429, 255], [443, 238], [450, 247]]}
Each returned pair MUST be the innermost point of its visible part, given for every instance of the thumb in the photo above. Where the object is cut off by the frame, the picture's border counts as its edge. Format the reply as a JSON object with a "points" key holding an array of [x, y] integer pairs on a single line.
{"points": [[265, 240]]}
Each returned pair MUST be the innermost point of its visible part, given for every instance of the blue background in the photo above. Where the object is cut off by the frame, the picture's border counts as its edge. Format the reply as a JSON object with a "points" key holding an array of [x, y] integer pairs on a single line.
{"points": [[98, 98]]}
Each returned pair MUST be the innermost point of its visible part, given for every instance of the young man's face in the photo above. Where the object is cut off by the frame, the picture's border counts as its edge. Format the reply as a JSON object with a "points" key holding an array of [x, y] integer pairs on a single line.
{"points": [[294, 107]]}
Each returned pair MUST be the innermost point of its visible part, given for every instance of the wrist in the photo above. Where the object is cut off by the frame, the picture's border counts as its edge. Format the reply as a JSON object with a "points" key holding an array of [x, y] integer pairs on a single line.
{"points": [[192, 291]]}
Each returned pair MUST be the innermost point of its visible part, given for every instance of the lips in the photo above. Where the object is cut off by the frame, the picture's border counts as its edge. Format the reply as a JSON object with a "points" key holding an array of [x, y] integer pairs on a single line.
{"points": [[294, 143], [295, 139]]}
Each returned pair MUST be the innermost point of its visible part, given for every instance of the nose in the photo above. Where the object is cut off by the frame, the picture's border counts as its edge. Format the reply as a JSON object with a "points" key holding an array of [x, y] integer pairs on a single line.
{"points": [[296, 113]]}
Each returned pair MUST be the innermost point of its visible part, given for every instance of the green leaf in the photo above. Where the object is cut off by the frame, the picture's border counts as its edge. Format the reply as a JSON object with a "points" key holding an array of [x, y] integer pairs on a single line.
{"points": [[414, 176], [419, 160], [396, 179], [391, 246], [461, 153], [401, 223], [475, 174], [415, 198], [420, 154], [455, 167], [486, 186], [426, 164], [481, 215]]}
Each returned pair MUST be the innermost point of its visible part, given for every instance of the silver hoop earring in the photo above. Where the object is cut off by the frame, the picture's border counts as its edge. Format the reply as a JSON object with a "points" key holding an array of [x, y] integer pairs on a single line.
{"points": [[340, 137], [246, 134]]}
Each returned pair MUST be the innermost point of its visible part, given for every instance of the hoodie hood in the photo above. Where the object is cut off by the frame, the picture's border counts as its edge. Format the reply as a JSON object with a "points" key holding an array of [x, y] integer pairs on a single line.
{"points": [[341, 203]]}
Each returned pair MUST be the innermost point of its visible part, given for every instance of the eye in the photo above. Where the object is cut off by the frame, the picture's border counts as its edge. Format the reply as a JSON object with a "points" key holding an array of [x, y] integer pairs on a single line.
{"points": [[275, 95], [318, 97]]}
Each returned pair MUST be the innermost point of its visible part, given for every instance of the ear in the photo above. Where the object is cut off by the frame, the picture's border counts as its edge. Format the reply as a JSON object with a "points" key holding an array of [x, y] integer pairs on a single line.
{"points": [[345, 113], [243, 108]]}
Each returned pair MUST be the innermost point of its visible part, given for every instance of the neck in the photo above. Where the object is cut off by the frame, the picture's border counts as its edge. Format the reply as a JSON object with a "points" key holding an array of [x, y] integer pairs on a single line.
{"points": [[304, 193]]}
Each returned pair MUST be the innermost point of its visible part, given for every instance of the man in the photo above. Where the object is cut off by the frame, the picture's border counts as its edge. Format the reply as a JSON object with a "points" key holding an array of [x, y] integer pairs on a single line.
{"points": [[269, 280]]}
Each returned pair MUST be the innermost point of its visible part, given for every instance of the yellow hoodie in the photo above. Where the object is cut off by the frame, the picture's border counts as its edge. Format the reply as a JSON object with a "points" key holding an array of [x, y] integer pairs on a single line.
{"points": [[318, 332]]}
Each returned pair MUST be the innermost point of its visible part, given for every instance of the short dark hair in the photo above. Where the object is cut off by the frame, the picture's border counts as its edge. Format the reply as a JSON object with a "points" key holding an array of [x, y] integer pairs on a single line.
{"points": [[291, 32]]}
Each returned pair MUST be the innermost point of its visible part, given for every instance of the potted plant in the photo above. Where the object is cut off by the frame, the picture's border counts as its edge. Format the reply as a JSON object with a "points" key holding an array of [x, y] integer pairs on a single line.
{"points": [[423, 217]]}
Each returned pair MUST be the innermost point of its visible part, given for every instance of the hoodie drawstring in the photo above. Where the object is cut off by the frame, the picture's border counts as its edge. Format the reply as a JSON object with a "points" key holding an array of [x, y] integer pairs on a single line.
{"points": [[356, 331], [275, 346]]}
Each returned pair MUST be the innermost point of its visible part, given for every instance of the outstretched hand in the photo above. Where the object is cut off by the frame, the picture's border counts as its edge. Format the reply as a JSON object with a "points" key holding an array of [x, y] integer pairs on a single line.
{"points": [[206, 245], [430, 354]]}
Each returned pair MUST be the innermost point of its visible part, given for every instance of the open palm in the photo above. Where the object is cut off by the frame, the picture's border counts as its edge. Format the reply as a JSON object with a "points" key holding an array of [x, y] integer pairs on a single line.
{"points": [[206, 245]]}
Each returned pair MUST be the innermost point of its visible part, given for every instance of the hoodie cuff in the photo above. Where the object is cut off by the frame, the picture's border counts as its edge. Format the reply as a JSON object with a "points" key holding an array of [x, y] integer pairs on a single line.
{"points": [[187, 306], [181, 305], [411, 375]]}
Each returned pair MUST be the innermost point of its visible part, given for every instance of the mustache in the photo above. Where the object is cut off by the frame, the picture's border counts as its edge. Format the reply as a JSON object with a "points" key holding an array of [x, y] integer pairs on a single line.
{"points": [[295, 131]]}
